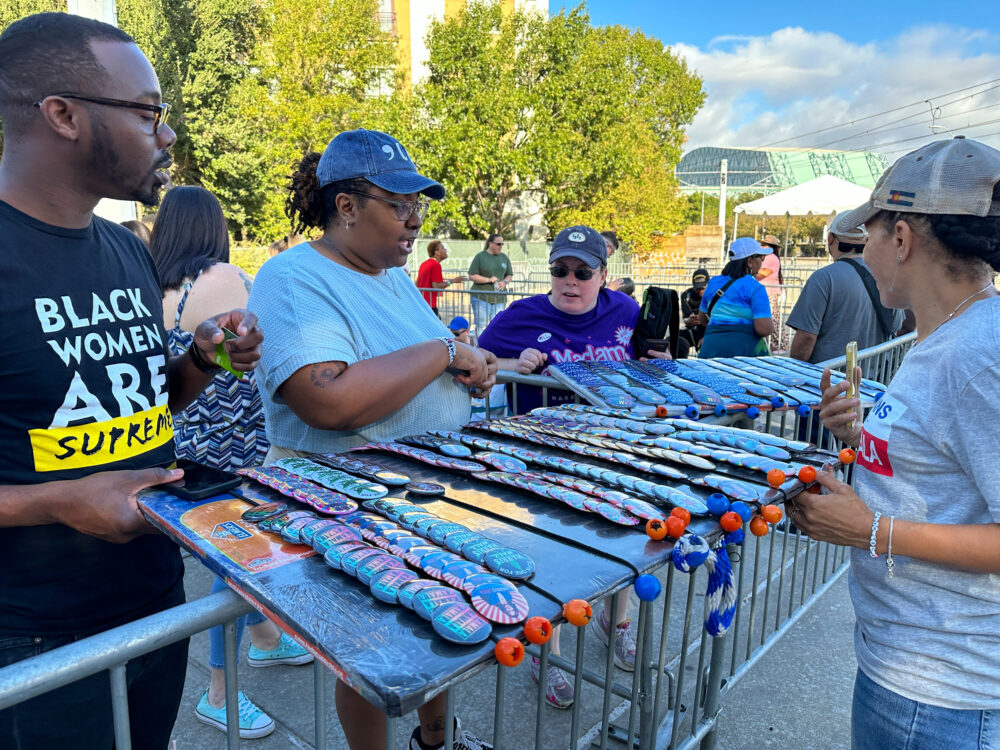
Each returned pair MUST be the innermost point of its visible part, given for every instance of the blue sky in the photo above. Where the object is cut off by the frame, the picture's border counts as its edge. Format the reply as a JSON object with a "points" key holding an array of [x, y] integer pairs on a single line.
{"points": [[773, 73]]}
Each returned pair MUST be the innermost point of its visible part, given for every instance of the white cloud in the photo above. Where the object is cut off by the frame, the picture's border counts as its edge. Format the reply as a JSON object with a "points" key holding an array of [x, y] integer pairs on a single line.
{"points": [[766, 89]]}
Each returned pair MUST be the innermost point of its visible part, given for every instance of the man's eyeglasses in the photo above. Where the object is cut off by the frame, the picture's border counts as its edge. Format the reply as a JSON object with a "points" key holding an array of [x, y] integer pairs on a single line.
{"points": [[159, 110], [583, 273], [404, 209], [498, 244]]}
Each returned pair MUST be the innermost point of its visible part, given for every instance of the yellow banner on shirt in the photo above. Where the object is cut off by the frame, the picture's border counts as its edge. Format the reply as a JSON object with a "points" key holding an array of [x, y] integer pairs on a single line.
{"points": [[100, 443]]}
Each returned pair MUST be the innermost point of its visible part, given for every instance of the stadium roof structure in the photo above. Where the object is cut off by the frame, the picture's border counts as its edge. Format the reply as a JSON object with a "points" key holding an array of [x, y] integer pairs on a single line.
{"points": [[771, 170]]}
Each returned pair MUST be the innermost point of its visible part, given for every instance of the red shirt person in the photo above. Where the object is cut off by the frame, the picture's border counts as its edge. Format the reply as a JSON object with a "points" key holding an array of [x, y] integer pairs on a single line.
{"points": [[430, 275]]}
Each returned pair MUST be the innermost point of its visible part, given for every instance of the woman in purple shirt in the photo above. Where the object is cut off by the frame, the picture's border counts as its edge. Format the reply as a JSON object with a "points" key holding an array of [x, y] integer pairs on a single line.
{"points": [[578, 320]]}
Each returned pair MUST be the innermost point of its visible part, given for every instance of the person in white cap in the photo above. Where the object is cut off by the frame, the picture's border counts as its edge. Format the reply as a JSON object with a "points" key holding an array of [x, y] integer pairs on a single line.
{"points": [[924, 512], [840, 302]]}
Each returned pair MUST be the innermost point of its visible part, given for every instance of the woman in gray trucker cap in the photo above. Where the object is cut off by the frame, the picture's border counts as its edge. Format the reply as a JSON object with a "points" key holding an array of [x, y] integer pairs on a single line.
{"points": [[924, 512], [354, 354]]}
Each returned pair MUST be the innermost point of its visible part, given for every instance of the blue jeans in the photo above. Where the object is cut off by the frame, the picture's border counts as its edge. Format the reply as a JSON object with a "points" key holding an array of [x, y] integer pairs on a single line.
{"points": [[483, 312], [216, 649], [78, 715], [883, 720]]}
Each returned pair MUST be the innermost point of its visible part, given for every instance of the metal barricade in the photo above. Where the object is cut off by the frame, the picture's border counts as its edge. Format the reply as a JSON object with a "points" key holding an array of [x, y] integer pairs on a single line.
{"points": [[672, 700]]}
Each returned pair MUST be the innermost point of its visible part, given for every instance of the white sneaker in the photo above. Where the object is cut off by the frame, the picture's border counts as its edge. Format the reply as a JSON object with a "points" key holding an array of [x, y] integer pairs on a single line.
{"points": [[624, 641]]}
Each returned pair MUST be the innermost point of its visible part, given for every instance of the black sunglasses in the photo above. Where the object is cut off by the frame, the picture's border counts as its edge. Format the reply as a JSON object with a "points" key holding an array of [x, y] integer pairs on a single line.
{"points": [[404, 209], [582, 274], [159, 110]]}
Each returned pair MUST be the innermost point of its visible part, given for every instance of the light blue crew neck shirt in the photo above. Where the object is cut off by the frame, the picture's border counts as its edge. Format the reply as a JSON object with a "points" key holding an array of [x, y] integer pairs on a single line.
{"points": [[312, 309]]}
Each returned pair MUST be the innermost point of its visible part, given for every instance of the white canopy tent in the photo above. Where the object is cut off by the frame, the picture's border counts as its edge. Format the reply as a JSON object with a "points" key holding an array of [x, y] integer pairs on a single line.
{"points": [[821, 196]]}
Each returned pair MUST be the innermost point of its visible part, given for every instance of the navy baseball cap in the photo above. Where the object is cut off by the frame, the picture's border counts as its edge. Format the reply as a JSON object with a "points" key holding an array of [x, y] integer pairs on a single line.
{"points": [[580, 242], [378, 158]]}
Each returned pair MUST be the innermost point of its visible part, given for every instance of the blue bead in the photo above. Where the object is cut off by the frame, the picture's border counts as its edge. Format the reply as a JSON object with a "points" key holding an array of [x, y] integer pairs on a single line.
{"points": [[719, 411], [803, 410], [777, 402], [691, 412], [647, 587], [741, 509], [735, 537], [717, 504], [753, 412]]}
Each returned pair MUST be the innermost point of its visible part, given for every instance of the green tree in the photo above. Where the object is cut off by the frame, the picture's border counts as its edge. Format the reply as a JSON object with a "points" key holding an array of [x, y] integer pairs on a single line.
{"points": [[519, 109]]}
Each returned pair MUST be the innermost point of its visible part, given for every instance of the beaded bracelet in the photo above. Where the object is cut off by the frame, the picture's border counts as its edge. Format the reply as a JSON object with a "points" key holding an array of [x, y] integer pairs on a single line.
{"points": [[452, 351], [871, 542], [888, 557]]}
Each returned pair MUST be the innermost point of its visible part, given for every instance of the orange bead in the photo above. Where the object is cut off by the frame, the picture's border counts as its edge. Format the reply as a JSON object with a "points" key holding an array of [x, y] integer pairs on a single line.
{"points": [[509, 651], [675, 527], [661, 411], [776, 477], [807, 474], [758, 526], [577, 612], [730, 521], [847, 456], [682, 513], [538, 630], [656, 529], [771, 513]]}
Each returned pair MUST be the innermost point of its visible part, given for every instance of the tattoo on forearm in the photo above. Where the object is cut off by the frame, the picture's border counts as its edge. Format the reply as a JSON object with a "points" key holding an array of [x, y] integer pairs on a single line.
{"points": [[247, 282], [323, 374], [435, 725]]}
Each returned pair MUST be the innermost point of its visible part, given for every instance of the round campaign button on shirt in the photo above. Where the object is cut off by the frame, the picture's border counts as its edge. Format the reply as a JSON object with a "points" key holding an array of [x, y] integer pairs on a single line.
{"points": [[459, 623]]}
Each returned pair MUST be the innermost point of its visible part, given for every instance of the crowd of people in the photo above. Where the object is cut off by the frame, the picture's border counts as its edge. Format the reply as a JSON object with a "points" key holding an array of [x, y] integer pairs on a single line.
{"points": [[111, 374]]}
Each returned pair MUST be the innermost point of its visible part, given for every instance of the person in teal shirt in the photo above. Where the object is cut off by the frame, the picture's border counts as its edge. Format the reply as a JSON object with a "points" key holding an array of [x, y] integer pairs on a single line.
{"points": [[735, 308]]}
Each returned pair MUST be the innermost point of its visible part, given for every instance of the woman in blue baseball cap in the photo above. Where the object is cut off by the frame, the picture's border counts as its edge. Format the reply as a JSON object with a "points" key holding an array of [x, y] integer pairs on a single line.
{"points": [[354, 354], [735, 309]]}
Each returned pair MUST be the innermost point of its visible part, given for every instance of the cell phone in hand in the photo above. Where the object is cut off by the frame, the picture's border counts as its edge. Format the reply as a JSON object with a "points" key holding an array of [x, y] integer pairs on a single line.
{"points": [[201, 481], [657, 345]]}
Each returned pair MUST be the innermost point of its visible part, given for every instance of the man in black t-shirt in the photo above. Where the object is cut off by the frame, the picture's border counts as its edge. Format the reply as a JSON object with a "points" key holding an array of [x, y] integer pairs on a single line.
{"points": [[690, 303], [87, 386]]}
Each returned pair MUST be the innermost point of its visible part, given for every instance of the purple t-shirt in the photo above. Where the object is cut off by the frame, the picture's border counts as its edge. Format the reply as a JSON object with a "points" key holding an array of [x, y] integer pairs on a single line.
{"points": [[604, 333]]}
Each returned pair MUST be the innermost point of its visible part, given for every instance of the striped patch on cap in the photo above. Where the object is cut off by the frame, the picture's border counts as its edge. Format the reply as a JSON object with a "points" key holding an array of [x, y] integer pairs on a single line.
{"points": [[901, 198]]}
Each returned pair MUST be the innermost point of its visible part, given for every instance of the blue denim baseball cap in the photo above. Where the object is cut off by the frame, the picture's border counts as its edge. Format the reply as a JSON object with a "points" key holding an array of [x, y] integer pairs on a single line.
{"points": [[378, 158], [581, 242]]}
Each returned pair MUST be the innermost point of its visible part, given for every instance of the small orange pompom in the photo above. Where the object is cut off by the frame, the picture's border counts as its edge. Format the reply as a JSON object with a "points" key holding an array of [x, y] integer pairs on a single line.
{"points": [[730, 521], [676, 526], [807, 474], [771, 513], [682, 513], [538, 630], [776, 477], [758, 526], [661, 411], [577, 612], [847, 456], [656, 529], [509, 651]]}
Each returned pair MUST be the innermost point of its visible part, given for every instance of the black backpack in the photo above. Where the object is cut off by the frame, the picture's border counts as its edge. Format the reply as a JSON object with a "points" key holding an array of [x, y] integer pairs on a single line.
{"points": [[659, 318]]}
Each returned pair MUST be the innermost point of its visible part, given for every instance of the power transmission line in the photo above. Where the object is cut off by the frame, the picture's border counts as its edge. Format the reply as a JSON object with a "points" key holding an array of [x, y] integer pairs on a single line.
{"points": [[878, 114]]}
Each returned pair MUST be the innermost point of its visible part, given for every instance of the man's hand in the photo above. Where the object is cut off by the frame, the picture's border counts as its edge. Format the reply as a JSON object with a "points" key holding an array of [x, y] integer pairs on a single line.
{"points": [[492, 365], [459, 280], [529, 361], [691, 321], [655, 354], [501, 285], [104, 505], [244, 351], [615, 284]]}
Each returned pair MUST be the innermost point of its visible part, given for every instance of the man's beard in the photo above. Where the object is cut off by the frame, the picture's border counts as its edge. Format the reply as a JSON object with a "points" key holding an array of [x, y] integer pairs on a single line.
{"points": [[106, 162]]}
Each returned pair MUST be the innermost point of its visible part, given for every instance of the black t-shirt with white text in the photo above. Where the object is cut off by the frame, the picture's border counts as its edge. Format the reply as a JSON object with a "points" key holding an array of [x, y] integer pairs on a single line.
{"points": [[83, 389]]}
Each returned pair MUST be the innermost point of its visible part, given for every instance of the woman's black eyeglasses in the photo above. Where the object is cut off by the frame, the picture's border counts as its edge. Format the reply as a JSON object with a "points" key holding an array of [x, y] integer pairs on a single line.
{"points": [[159, 110], [404, 209], [583, 273]]}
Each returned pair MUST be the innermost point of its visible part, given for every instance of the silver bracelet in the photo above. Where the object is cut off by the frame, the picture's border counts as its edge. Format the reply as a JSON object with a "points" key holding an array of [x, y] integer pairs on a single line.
{"points": [[452, 351], [871, 542], [888, 557]]}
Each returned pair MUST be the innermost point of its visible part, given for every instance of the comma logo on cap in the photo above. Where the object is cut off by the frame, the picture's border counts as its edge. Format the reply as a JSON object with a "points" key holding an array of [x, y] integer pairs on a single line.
{"points": [[577, 237], [544, 337]]}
